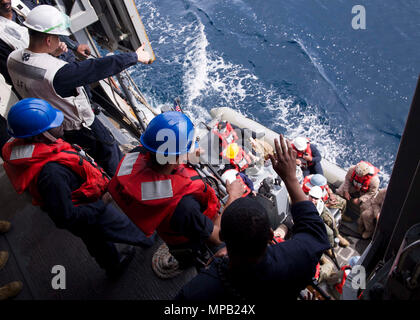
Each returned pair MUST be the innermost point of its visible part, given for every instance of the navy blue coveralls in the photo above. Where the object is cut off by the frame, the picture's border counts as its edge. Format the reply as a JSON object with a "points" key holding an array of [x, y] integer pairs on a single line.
{"points": [[99, 225], [316, 168]]}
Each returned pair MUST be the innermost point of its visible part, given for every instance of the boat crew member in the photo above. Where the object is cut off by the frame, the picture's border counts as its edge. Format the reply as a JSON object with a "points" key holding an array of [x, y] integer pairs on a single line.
{"points": [[369, 214], [158, 191], [308, 156], [66, 183], [233, 139], [360, 184], [35, 73], [254, 270], [315, 195], [330, 199]]}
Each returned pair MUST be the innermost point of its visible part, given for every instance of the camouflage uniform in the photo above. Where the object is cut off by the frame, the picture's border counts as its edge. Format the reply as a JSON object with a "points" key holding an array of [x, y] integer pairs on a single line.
{"points": [[354, 193], [370, 212], [330, 225], [340, 203]]}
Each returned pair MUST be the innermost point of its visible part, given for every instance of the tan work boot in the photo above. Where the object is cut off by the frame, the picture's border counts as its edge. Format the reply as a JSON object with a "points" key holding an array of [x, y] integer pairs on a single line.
{"points": [[4, 256], [4, 226], [10, 290], [343, 242]]}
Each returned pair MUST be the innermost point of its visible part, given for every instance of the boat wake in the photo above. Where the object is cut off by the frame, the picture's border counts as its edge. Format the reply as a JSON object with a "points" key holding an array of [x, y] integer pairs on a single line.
{"points": [[204, 77]]}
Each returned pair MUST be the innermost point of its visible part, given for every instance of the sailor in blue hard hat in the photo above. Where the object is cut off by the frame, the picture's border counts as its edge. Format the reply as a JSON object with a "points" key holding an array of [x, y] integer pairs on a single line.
{"points": [[169, 134], [67, 184], [160, 192]]}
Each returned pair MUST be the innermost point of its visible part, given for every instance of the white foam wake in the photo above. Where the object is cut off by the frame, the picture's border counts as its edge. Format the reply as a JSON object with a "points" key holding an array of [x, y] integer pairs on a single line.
{"points": [[210, 80]]}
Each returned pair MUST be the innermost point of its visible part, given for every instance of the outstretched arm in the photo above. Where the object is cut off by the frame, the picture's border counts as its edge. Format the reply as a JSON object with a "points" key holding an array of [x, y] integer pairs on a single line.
{"points": [[82, 73]]}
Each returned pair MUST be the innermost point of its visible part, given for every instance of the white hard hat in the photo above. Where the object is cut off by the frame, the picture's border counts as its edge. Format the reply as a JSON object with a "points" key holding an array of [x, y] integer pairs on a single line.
{"points": [[48, 19], [315, 192], [300, 143]]}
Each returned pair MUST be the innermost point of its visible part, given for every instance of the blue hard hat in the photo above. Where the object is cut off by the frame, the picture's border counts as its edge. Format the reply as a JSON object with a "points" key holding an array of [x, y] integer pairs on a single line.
{"points": [[318, 180], [169, 133], [30, 117]]}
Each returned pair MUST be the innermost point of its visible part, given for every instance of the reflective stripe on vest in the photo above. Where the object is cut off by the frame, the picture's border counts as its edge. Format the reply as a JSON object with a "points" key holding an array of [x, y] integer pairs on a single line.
{"points": [[127, 164], [156, 190], [149, 198], [22, 152], [23, 163]]}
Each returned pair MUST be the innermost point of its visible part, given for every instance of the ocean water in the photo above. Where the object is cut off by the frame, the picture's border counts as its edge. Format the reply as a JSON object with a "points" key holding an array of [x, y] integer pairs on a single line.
{"points": [[296, 66]]}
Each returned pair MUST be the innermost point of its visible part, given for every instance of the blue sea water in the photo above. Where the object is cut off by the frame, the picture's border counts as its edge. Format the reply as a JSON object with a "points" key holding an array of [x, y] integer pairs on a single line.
{"points": [[296, 66]]}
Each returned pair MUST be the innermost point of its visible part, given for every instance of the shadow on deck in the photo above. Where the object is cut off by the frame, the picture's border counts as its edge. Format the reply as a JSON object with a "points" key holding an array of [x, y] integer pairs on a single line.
{"points": [[35, 245]]}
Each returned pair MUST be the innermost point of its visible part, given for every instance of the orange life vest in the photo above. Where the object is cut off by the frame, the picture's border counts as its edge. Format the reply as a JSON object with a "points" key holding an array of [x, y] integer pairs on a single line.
{"points": [[226, 135], [241, 160], [300, 155], [149, 199], [307, 185], [362, 183], [24, 161], [339, 286]]}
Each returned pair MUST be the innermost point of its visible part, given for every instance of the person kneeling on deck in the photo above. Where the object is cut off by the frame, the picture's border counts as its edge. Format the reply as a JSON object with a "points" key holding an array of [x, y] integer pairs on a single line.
{"points": [[254, 269], [360, 184], [158, 191], [308, 156], [36, 73], [67, 184]]}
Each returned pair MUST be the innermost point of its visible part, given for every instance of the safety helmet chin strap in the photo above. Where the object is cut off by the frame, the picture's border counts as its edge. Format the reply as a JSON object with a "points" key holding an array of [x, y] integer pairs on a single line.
{"points": [[49, 136]]}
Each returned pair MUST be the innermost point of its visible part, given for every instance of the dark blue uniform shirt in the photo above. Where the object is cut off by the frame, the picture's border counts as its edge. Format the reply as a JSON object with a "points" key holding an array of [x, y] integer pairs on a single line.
{"points": [[285, 269], [55, 185], [79, 74], [316, 155]]}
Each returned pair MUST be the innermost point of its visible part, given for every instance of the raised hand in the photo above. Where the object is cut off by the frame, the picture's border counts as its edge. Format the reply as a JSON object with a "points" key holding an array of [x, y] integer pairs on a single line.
{"points": [[284, 163]]}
